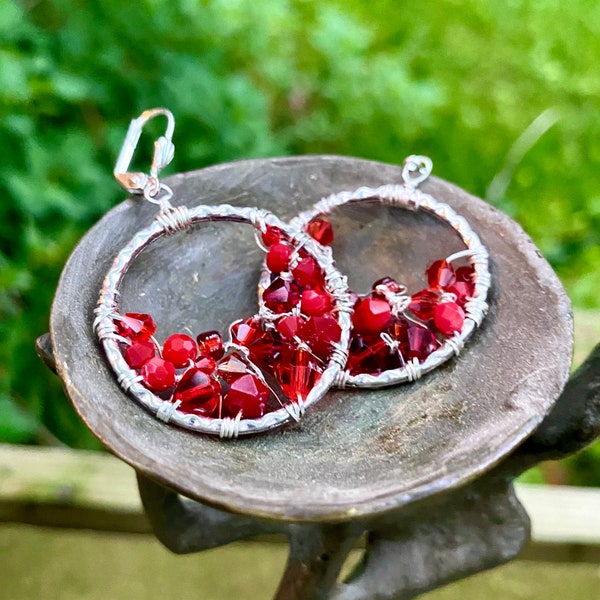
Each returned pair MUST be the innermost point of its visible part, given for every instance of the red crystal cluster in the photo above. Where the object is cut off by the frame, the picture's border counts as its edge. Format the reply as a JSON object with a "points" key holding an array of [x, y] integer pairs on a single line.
{"points": [[384, 338], [287, 352]]}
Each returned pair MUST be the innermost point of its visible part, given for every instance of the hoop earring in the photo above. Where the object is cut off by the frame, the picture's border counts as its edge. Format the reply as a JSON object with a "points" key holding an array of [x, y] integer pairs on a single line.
{"points": [[397, 337], [268, 372]]}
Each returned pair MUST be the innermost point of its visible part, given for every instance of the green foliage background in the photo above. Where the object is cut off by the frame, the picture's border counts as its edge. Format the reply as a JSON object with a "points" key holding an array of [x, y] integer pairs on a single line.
{"points": [[462, 82]]}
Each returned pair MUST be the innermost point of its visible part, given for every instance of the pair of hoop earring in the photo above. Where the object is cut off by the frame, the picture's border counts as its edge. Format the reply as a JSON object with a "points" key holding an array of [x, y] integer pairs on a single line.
{"points": [[310, 332]]}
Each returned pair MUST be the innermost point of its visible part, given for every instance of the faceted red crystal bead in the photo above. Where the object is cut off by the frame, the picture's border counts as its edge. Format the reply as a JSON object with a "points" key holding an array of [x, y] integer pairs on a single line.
{"points": [[320, 333], [308, 273], [371, 315], [281, 296], [138, 327], [290, 326], [271, 236], [321, 230], [232, 368], [462, 290], [448, 317], [198, 392], [158, 374], [179, 349], [278, 257], [370, 355], [261, 345], [387, 282], [423, 303], [465, 274], [248, 395], [440, 274], [297, 373], [138, 353], [210, 343], [315, 302], [419, 342], [206, 364]]}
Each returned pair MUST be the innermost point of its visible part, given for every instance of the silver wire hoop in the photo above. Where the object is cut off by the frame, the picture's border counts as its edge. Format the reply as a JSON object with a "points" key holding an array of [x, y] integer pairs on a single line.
{"points": [[178, 219], [406, 195]]}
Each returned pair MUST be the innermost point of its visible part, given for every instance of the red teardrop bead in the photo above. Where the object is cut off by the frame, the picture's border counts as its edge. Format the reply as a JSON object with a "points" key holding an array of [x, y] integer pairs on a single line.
{"points": [[138, 327], [199, 393], [371, 315], [179, 349], [423, 303], [440, 274], [321, 230], [281, 296], [315, 302], [297, 374], [248, 395], [158, 374], [278, 257], [210, 343], [448, 318], [308, 273], [138, 353]]}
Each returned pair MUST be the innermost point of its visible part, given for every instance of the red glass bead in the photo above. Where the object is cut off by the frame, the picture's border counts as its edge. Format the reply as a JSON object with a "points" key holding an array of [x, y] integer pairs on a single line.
{"points": [[423, 303], [290, 326], [138, 327], [308, 273], [260, 343], [248, 395], [315, 302], [440, 274], [137, 354], [371, 315], [466, 274], [462, 290], [198, 392], [271, 236], [278, 257], [297, 374], [232, 368], [158, 374], [210, 343], [419, 342], [448, 317], [370, 355], [321, 230], [281, 296], [320, 333], [206, 364], [179, 349], [387, 282]]}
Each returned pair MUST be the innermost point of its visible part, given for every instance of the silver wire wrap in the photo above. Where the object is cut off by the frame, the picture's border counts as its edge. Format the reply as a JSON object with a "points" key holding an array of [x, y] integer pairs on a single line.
{"points": [[407, 196], [176, 219]]}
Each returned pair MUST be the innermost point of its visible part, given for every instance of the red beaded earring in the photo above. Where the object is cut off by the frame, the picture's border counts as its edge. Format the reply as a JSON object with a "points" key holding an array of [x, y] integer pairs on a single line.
{"points": [[396, 336], [270, 369]]}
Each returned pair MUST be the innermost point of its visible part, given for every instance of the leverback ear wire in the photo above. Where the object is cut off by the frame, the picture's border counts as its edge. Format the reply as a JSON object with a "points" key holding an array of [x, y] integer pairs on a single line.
{"points": [[145, 184]]}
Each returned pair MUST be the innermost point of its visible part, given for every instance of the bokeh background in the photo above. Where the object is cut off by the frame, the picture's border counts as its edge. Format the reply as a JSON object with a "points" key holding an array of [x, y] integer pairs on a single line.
{"points": [[504, 96]]}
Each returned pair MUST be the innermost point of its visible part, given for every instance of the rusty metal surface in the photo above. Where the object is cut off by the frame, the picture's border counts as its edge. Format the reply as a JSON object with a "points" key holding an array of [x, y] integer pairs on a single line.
{"points": [[357, 453]]}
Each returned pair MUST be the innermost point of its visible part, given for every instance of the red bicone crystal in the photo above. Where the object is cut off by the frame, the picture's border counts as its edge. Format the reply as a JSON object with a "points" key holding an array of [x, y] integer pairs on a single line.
{"points": [[278, 257], [198, 392], [261, 345], [179, 349], [371, 355], [387, 282], [138, 353], [206, 364], [462, 290], [371, 315], [423, 303], [321, 230], [307, 272], [448, 317], [297, 374], [248, 395], [158, 374], [419, 342], [210, 343], [138, 327], [290, 326], [440, 274], [281, 296], [315, 302], [232, 368], [320, 333], [271, 236], [465, 274]]}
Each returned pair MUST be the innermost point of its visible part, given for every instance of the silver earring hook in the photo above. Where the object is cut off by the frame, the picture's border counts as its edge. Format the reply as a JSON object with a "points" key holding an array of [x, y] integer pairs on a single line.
{"points": [[143, 183]]}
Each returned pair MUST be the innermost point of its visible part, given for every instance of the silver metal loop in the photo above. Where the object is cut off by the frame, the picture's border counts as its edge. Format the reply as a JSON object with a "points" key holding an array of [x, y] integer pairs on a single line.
{"points": [[416, 169]]}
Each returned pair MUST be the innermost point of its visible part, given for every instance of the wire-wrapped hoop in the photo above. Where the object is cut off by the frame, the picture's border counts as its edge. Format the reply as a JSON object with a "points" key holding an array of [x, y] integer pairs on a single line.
{"points": [[408, 196], [171, 220]]}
